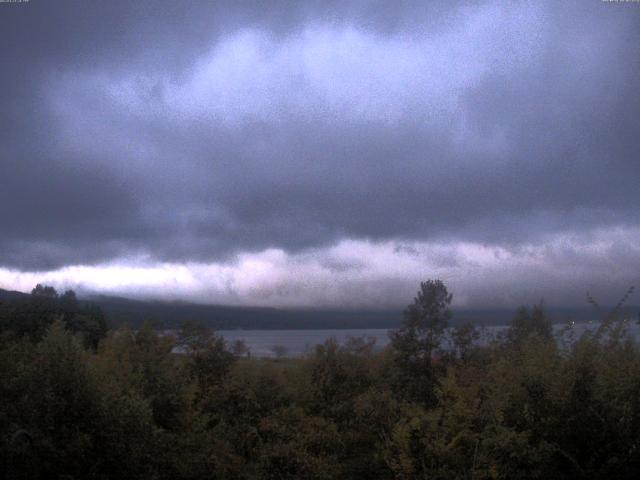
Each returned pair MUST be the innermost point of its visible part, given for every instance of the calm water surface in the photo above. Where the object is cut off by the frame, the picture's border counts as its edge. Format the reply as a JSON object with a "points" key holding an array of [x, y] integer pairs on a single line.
{"points": [[299, 342]]}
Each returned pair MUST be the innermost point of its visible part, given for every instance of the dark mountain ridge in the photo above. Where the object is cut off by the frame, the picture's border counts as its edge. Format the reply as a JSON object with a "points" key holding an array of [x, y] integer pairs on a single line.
{"points": [[171, 314]]}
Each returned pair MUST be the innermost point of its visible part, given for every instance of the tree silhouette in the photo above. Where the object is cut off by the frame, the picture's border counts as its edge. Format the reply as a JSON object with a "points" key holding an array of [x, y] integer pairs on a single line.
{"points": [[419, 337]]}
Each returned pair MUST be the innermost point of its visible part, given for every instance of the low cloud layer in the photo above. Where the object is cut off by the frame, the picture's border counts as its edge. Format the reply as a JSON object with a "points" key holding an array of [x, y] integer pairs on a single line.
{"points": [[161, 149], [374, 275]]}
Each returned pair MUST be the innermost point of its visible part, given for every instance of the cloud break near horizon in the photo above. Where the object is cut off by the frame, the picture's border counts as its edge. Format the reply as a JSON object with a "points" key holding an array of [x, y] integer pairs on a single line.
{"points": [[321, 154]]}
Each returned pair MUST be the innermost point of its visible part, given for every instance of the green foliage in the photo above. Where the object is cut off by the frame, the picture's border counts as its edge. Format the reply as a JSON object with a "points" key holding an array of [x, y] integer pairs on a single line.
{"points": [[73, 425], [33, 317], [526, 323], [147, 406], [208, 359], [419, 338], [337, 374], [463, 338], [297, 445]]}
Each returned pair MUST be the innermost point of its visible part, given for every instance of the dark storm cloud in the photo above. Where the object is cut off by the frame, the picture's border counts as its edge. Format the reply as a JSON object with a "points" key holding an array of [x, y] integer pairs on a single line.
{"points": [[192, 131]]}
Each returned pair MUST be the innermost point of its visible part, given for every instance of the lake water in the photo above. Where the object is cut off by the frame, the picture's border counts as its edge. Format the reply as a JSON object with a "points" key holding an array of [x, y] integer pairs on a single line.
{"points": [[299, 342]]}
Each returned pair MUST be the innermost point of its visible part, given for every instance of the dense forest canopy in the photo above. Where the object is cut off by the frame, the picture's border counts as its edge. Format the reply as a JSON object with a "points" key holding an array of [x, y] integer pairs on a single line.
{"points": [[79, 401]]}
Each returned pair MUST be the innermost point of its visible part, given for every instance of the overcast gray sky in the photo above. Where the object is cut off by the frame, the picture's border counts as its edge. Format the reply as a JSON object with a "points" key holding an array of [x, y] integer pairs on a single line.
{"points": [[320, 153]]}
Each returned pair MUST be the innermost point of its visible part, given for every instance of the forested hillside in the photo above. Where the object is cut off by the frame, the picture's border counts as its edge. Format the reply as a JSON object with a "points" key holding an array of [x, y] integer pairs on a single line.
{"points": [[120, 311], [81, 402]]}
